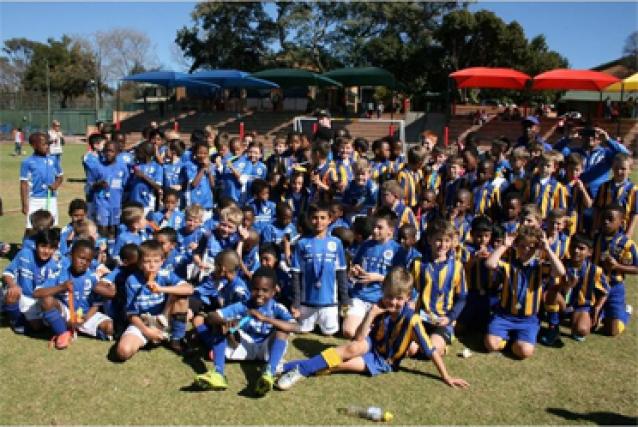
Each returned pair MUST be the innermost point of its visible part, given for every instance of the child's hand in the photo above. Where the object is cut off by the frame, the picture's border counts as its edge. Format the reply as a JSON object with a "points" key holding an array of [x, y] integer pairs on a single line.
{"points": [[69, 286], [102, 270], [257, 315], [192, 246], [153, 286], [376, 310], [14, 292], [154, 335], [295, 312], [610, 264], [456, 382], [482, 253], [443, 321], [243, 232], [509, 240]]}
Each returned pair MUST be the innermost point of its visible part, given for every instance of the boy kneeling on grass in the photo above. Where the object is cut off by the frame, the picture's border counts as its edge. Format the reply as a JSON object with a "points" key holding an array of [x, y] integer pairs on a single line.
{"points": [[381, 341]]}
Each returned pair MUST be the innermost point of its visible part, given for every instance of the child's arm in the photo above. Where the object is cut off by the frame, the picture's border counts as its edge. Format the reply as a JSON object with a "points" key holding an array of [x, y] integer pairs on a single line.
{"points": [[281, 325], [364, 328], [138, 173], [587, 200], [53, 290], [13, 289], [558, 269], [153, 334], [631, 225], [105, 289], [613, 266], [491, 263], [24, 196], [182, 289], [445, 376], [56, 184]]}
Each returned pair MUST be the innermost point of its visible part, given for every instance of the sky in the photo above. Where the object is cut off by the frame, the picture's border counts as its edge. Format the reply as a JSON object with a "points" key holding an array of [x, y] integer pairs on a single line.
{"points": [[586, 33]]}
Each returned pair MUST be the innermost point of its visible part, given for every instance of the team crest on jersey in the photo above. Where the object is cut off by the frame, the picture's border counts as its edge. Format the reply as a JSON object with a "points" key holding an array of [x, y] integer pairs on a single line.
{"points": [[332, 246], [388, 254], [50, 162]]}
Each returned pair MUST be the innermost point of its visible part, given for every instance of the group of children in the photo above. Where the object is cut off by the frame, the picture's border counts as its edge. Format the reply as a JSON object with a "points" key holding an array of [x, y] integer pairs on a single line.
{"points": [[217, 247]]}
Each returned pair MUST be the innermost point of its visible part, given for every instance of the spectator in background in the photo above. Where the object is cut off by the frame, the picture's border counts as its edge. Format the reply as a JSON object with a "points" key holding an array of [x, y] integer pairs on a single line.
{"points": [[18, 139], [56, 141]]}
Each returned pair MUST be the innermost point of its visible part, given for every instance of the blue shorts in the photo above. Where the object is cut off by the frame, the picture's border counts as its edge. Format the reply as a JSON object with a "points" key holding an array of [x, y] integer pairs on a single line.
{"points": [[445, 332], [516, 328], [106, 215], [615, 307], [374, 362]]}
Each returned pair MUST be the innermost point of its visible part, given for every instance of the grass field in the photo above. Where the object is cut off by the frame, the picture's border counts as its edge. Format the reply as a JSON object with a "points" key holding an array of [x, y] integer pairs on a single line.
{"points": [[583, 383]]}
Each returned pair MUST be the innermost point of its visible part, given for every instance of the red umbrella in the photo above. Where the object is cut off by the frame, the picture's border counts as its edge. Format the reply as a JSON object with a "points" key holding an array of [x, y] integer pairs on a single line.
{"points": [[485, 77], [563, 79]]}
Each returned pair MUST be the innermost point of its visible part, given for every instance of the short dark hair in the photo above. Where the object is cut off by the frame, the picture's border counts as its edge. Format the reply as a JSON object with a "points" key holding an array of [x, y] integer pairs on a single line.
{"points": [[169, 232], [481, 223], [82, 244], [267, 273], [50, 237], [581, 239], [129, 251], [258, 186], [94, 138], [77, 205]]}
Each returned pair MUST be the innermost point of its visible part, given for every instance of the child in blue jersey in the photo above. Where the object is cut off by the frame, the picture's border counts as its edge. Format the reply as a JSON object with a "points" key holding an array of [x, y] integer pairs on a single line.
{"points": [[392, 197], [512, 208], [336, 216], [323, 172], [261, 327], [381, 342], [319, 277], [172, 167], [108, 190], [582, 292], [248, 249], [556, 235], [343, 167], [407, 237], [361, 194], [262, 206], [461, 214], [255, 170], [455, 182], [278, 159], [498, 153], [269, 257], [410, 178], [174, 260], [29, 269], [77, 281], [77, 212], [441, 285], [91, 163], [397, 156], [169, 215], [297, 195], [146, 179], [234, 176], [135, 223], [198, 179], [282, 228], [41, 220], [516, 316], [619, 191], [116, 307], [40, 178], [435, 177], [545, 191], [189, 236], [153, 296], [517, 177], [369, 266], [428, 209], [617, 254], [380, 166]]}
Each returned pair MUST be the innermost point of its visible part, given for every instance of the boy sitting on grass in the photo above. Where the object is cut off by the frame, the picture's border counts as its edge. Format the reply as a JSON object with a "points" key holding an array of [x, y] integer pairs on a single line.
{"points": [[381, 342]]}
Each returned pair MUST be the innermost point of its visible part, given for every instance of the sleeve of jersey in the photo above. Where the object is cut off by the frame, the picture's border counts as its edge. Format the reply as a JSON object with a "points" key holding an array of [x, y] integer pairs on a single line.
{"points": [[601, 283], [633, 202], [282, 313], [25, 171], [460, 289], [616, 147], [295, 263], [131, 300], [630, 255], [341, 257], [421, 337], [58, 169], [12, 269], [233, 312]]}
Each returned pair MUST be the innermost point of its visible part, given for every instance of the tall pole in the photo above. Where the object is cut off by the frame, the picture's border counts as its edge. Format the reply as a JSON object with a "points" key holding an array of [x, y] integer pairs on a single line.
{"points": [[46, 61]]}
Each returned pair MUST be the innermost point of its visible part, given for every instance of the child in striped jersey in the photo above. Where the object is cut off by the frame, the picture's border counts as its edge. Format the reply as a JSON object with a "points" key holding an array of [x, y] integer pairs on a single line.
{"points": [[545, 191], [619, 191], [578, 198]]}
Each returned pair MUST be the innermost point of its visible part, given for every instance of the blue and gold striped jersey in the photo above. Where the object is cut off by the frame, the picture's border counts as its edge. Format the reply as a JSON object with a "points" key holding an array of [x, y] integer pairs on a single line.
{"points": [[623, 194], [380, 169], [404, 214], [591, 285], [560, 246], [440, 285], [621, 248], [522, 291], [434, 179], [481, 279], [575, 207], [391, 338], [547, 194], [410, 180], [485, 196]]}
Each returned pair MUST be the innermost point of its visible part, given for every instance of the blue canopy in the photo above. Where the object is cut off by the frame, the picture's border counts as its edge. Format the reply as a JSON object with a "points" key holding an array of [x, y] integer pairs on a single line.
{"points": [[232, 79], [170, 79]]}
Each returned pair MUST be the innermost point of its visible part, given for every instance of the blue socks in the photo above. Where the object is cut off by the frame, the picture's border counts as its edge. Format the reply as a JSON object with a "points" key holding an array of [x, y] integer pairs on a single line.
{"points": [[219, 354], [205, 336], [55, 321], [178, 326], [15, 317], [314, 364], [277, 350], [553, 318]]}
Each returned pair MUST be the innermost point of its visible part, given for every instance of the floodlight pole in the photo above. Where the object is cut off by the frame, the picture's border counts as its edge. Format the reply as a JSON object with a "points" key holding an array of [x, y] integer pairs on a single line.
{"points": [[48, 81]]}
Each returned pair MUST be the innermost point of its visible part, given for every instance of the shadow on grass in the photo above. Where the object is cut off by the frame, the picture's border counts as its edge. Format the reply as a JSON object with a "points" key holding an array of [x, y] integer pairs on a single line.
{"points": [[252, 371], [600, 418], [310, 347], [419, 372]]}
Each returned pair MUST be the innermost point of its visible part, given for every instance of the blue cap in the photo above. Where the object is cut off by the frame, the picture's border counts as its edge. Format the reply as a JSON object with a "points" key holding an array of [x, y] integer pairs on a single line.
{"points": [[532, 119]]}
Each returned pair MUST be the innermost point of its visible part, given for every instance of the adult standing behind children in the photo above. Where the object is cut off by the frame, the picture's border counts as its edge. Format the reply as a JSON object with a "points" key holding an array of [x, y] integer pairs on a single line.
{"points": [[40, 178], [56, 140]]}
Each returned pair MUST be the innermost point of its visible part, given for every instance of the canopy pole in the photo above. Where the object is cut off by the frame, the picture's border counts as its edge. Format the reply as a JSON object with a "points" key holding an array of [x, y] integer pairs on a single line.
{"points": [[117, 105], [622, 92]]}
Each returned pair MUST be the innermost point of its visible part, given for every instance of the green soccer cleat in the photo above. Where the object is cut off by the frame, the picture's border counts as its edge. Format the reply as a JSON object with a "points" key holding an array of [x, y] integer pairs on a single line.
{"points": [[211, 380], [264, 383]]}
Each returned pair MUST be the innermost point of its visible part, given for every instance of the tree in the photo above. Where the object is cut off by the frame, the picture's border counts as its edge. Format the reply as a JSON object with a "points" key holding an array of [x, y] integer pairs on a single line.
{"points": [[630, 51], [17, 54]]}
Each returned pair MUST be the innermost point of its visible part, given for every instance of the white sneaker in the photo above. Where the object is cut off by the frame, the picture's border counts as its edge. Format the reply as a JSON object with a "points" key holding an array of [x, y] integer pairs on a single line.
{"points": [[629, 309], [290, 378]]}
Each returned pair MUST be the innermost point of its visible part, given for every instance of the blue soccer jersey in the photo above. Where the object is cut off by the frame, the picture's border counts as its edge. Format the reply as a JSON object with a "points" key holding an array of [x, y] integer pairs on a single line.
{"points": [[202, 193], [274, 233], [40, 172], [264, 213], [318, 260], [522, 291], [374, 257], [361, 198], [172, 172], [174, 219], [29, 272], [140, 299], [141, 191], [222, 291], [84, 296], [124, 238], [232, 187], [109, 199], [185, 239], [257, 330], [91, 163]]}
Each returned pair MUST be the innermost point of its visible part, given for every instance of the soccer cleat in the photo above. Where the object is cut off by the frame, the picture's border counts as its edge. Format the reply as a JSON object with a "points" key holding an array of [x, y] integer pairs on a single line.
{"points": [[63, 340], [550, 336], [578, 338], [289, 379], [180, 347], [629, 309], [264, 383], [211, 380]]}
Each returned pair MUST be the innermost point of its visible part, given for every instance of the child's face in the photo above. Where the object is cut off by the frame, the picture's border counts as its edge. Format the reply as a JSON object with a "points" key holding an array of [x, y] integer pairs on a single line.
{"points": [[383, 152], [167, 245], [525, 248], [335, 213], [81, 260], [574, 171], [612, 221], [268, 260], [554, 226], [41, 146], [254, 154], [536, 153], [428, 202], [236, 147], [518, 163], [441, 245], [361, 177], [297, 184], [389, 199], [157, 140], [397, 148], [226, 228], [621, 170], [249, 219], [547, 169], [531, 221], [456, 171], [262, 290], [191, 223], [463, 202], [440, 158], [382, 230], [295, 144], [285, 216], [320, 221], [498, 242], [140, 224], [170, 202], [512, 209], [44, 252], [151, 263], [407, 240], [482, 238], [345, 150], [264, 194], [394, 303], [78, 215], [579, 253], [110, 152], [131, 262], [485, 171], [202, 154]]}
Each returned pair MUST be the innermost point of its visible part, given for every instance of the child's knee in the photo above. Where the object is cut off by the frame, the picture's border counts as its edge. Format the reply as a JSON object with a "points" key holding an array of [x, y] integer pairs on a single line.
{"points": [[126, 349], [523, 350], [106, 327], [48, 303], [179, 305], [493, 343]]}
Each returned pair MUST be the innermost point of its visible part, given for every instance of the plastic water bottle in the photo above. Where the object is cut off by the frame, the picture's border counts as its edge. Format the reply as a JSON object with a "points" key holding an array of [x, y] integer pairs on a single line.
{"points": [[372, 413]]}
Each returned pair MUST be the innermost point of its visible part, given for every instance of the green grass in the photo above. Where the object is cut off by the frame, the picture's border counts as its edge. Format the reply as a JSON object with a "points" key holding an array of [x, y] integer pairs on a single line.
{"points": [[592, 382]]}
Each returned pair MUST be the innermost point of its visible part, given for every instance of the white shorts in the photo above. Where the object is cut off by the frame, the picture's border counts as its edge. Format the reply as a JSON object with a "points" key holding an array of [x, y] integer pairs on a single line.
{"points": [[358, 307], [41, 203], [151, 321], [326, 317], [248, 349], [89, 327], [29, 307]]}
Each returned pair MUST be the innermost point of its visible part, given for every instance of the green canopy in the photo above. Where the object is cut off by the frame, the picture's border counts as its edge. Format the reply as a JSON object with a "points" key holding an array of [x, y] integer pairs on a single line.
{"points": [[589, 96], [294, 77], [365, 76]]}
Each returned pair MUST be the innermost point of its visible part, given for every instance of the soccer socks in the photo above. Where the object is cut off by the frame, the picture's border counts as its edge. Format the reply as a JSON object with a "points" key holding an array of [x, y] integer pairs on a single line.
{"points": [[16, 318], [55, 321], [205, 336], [277, 350], [326, 359], [178, 326], [553, 316], [219, 354]]}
